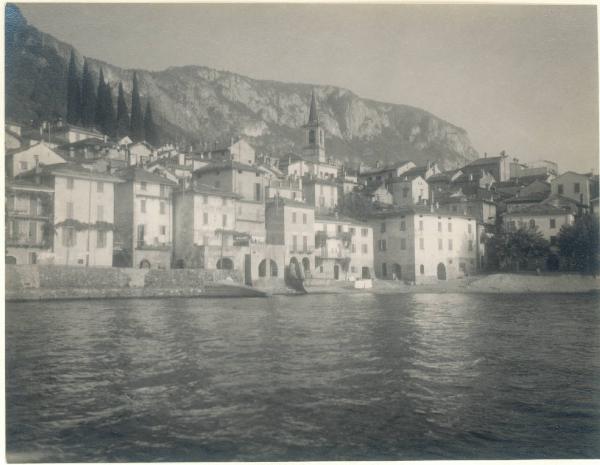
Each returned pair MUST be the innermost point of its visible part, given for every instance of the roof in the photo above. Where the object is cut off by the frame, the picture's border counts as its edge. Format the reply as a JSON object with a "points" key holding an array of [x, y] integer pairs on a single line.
{"points": [[277, 201], [25, 184], [69, 170], [539, 209], [228, 165], [417, 210], [141, 142], [533, 197], [313, 114], [485, 161], [338, 219], [525, 180], [205, 189], [385, 168], [136, 173], [88, 142]]}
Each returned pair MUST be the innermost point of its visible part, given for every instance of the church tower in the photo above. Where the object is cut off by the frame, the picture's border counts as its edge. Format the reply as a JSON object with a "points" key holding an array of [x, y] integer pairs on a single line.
{"points": [[314, 148]]}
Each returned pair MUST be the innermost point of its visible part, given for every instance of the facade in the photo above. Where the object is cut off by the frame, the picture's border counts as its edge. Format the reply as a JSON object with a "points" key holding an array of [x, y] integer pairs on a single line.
{"points": [[498, 167], [26, 158], [573, 185], [548, 219], [385, 174], [144, 219], [95, 152], [28, 222], [291, 224], [409, 190], [288, 188], [343, 248], [322, 194], [239, 152], [140, 153], [420, 245], [83, 212]]}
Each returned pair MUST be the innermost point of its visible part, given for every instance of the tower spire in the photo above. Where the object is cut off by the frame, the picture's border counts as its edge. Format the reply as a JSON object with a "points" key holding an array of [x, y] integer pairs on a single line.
{"points": [[313, 114]]}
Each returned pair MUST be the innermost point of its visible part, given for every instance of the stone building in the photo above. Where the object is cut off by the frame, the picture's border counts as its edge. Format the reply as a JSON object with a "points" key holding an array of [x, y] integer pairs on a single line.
{"points": [[23, 159], [573, 185]]}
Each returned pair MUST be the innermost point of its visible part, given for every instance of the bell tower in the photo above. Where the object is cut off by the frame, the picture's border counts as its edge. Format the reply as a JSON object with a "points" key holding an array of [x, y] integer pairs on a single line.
{"points": [[314, 147]]}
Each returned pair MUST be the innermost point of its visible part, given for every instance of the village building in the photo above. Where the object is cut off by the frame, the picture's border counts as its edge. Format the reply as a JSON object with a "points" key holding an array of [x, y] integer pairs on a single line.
{"points": [[385, 174], [59, 133], [420, 245], [24, 159], [291, 224], [239, 151], [140, 153], [249, 183], [29, 219], [343, 248], [410, 188], [377, 194], [143, 219], [498, 167], [95, 154], [322, 194], [83, 212], [573, 185], [546, 218], [284, 187]]}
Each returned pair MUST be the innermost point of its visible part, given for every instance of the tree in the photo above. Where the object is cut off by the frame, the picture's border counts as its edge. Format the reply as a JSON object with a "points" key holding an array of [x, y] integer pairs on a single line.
{"points": [[88, 97], [122, 114], [109, 126], [73, 93], [137, 119], [150, 129], [579, 244], [514, 249], [100, 102]]}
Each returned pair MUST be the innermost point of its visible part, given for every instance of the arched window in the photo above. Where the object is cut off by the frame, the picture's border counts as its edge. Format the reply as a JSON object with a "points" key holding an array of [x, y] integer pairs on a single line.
{"points": [[225, 264]]}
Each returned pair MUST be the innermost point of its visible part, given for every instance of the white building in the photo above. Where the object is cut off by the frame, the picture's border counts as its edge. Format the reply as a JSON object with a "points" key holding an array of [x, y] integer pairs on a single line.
{"points": [[23, 159]]}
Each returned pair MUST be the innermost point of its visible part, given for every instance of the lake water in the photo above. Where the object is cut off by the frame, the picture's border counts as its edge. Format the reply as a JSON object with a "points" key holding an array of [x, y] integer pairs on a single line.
{"points": [[311, 377]]}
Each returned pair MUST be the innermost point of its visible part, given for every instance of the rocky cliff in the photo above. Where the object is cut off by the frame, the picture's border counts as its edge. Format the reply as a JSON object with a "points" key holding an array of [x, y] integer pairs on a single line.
{"points": [[196, 104]]}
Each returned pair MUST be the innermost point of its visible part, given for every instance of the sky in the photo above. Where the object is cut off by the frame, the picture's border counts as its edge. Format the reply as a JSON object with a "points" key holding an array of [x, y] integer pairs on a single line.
{"points": [[518, 78]]}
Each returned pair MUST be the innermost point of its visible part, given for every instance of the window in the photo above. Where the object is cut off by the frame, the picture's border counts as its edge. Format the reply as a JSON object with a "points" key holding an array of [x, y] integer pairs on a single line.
{"points": [[294, 243], [69, 237], [440, 244], [449, 244], [402, 244], [11, 203], [69, 209], [100, 213], [364, 248], [23, 165], [257, 192], [163, 230], [382, 245], [294, 217], [304, 244], [339, 228], [532, 223], [470, 245], [32, 231], [402, 225], [552, 223], [422, 269], [561, 189], [576, 188], [405, 192], [382, 227], [384, 269], [311, 136], [143, 185], [353, 248], [140, 234], [143, 206], [421, 243], [162, 208], [99, 187], [304, 218], [420, 225], [224, 221], [449, 227], [352, 269], [100, 239], [162, 190], [69, 183], [439, 226], [364, 232], [205, 218], [469, 228]]}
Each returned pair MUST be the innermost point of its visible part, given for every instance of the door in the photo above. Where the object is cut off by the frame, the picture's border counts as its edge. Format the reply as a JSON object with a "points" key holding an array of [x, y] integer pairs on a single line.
{"points": [[441, 271], [248, 269], [336, 272]]}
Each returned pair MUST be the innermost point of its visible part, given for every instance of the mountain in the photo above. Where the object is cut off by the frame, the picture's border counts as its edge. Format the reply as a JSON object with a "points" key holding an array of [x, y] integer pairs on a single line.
{"points": [[198, 105]]}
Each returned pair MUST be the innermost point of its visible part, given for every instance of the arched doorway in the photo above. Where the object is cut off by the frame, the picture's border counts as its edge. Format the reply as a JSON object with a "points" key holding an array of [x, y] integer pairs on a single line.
{"points": [[336, 272], [441, 271], [145, 264], [225, 264], [397, 271], [262, 269]]}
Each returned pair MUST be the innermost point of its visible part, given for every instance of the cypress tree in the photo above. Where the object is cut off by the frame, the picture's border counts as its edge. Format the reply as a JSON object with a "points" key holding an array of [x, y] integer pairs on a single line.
{"points": [[88, 97], [137, 119], [150, 128], [109, 126], [73, 93], [100, 102], [122, 114]]}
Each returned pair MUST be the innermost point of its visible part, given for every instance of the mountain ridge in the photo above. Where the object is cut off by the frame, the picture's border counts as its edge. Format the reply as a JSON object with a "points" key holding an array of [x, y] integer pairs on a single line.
{"points": [[195, 104]]}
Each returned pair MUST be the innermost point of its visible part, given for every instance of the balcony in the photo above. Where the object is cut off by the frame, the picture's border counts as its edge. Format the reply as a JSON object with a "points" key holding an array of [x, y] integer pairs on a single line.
{"points": [[142, 245], [38, 214]]}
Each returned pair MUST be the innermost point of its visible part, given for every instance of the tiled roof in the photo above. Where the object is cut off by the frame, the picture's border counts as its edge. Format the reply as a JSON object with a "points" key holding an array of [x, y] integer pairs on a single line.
{"points": [[24, 183], [383, 169], [69, 169], [338, 219], [228, 165], [205, 189], [88, 142], [533, 197], [485, 161], [289, 203], [538, 209], [135, 173]]}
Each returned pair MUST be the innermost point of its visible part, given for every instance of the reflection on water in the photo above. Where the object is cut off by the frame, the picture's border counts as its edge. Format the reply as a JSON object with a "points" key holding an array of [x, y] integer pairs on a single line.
{"points": [[312, 377]]}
